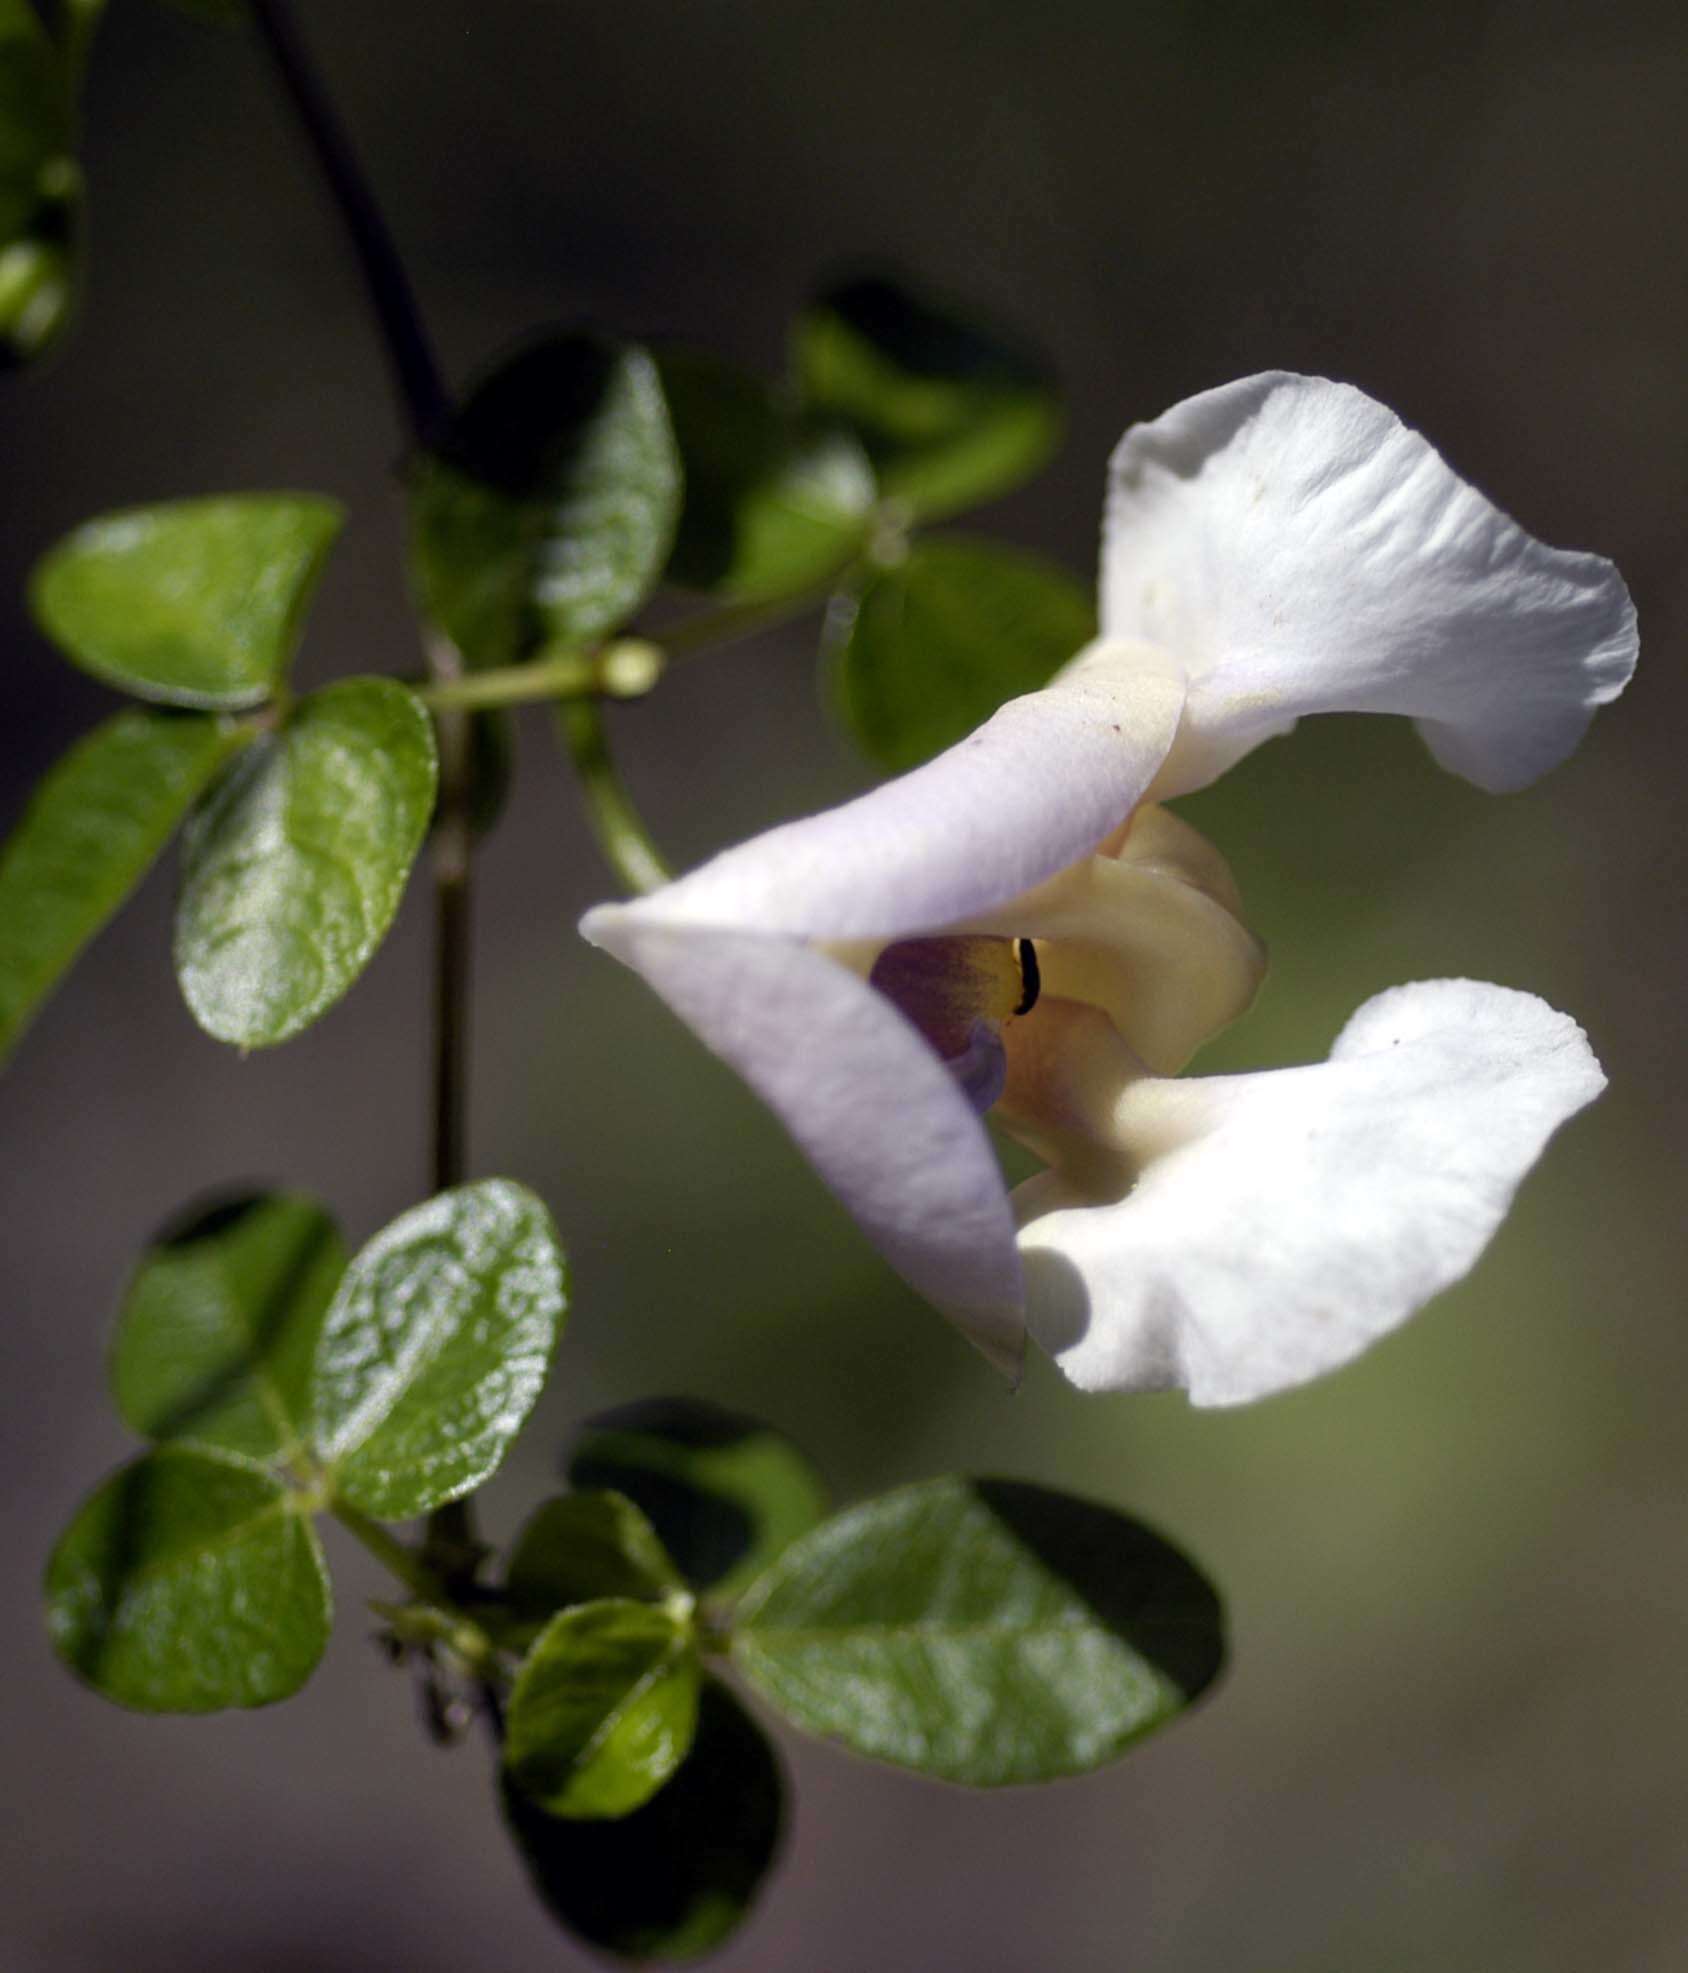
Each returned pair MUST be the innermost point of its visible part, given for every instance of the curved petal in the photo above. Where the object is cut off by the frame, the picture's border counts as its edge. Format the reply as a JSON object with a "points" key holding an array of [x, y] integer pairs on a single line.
{"points": [[1034, 789], [866, 1099], [1284, 1221], [1297, 549]]}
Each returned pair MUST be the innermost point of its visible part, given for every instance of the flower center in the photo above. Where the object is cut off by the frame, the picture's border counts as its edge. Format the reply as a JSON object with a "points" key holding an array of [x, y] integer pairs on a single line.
{"points": [[959, 992]]}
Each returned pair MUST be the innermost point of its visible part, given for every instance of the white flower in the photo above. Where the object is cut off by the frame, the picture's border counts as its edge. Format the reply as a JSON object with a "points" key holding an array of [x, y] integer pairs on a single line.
{"points": [[1020, 924]]}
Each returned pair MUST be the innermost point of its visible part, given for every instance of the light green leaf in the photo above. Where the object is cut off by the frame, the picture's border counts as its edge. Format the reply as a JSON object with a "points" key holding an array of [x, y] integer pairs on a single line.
{"points": [[676, 1878], [585, 1546], [547, 511], [294, 866], [40, 186], [603, 1708], [218, 1327], [436, 1347], [951, 415], [724, 1493], [936, 643], [189, 1582], [192, 603], [983, 1631], [771, 509], [89, 835]]}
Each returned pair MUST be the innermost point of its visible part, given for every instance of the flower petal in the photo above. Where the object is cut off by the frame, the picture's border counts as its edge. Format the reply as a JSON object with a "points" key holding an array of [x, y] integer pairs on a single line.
{"points": [[1034, 789], [1284, 1221], [866, 1099], [1297, 549]]}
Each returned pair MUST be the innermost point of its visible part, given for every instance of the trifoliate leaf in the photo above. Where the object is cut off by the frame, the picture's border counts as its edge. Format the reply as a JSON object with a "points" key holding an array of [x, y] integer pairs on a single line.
{"points": [[585, 1546], [218, 1327], [724, 1493], [604, 1707], [435, 1348], [189, 1582], [771, 509], [937, 642], [547, 510], [676, 1878], [294, 866], [951, 414], [983, 1631], [89, 835]]}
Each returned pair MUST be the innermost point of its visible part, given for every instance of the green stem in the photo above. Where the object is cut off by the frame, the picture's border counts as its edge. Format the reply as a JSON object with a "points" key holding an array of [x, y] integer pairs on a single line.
{"points": [[729, 622], [465, 1636], [615, 822], [625, 669]]}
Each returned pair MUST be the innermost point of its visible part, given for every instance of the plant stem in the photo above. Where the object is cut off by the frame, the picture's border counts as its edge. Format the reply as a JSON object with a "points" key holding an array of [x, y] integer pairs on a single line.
{"points": [[625, 669], [466, 1636], [416, 374], [616, 823], [727, 623]]}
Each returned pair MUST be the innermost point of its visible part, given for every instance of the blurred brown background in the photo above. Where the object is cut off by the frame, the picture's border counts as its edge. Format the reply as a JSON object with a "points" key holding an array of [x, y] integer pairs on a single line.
{"points": [[1453, 1737]]}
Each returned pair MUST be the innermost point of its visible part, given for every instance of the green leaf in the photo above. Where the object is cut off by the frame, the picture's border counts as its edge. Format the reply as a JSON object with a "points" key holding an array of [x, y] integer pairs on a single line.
{"points": [[436, 1347], [40, 186], [603, 1708], [676, 1878], [295, 864], [983, 1631], [547, 511], [189, 1582], [218, 1327], [724, 1493], [771, 509], [936, 643], [584, 1546], [192, 603], [950, 414], [89, 835]]}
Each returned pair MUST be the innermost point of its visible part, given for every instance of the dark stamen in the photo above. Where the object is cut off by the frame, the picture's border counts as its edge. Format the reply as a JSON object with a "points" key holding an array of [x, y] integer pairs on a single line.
{"points": [[1031, 980]]}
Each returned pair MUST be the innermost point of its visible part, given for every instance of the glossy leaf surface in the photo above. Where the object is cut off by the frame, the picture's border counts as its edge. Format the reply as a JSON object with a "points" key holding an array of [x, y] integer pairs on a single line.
{"points": [[294, 866], [89, 835], [771, 509], [724, 1493], [676, 1878], [219, 1324], [547, 511], [189, 1583], [951, 414], [436, 1347], [937, 643], [584, 1546], [193, 603], [983, 1631], [604, 1708]]}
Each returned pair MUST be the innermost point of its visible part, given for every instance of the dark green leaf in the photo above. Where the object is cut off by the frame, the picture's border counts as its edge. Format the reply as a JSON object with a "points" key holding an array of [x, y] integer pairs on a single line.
{"points": [[603, 1708], [86, 840], [771, 509], [984, 1631], [724, 1493], [193, 603], [584, 1546], [676, 1878], [939, 641], [294, 866], [547, 511], [436, 1347], [189, 1582], [40, 186], [219, 1326], [950, 414]]}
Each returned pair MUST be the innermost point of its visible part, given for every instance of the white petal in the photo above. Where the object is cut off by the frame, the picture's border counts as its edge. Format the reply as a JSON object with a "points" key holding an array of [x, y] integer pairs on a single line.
{"points": [[1034, 789], [865, 1098], [1301, 1214], [1297, 549]]}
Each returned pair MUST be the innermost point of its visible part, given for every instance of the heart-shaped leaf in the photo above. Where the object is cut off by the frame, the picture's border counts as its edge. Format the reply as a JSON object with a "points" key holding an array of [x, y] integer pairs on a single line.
{"points": [[194, 603], [981, 1630], [189, 1582], [295, 864], [436, 1347]]}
